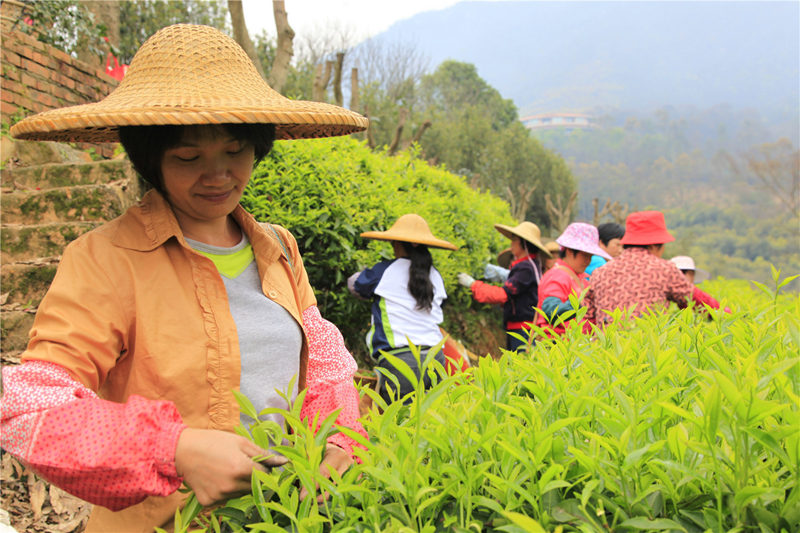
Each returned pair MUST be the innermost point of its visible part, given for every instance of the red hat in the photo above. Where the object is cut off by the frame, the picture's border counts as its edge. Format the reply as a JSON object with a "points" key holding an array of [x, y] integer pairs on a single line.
{"points": [[646, 227]]}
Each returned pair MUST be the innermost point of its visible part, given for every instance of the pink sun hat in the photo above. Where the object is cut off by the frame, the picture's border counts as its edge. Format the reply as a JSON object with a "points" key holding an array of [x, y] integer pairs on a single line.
{"points": [[583, 237]]}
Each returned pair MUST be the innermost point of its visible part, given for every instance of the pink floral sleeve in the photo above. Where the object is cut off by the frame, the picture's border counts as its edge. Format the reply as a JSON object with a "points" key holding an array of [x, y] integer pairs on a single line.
{"points": [[106, 453], [329, 378]]}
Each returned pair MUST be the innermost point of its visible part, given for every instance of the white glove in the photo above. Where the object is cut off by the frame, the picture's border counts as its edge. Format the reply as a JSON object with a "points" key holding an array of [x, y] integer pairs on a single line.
{"points": [[495, 273], [465, 279], [351, 284]]}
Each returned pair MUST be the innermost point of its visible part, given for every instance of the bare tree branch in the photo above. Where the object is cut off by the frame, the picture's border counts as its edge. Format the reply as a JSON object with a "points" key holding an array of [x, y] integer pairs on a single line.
{"points": [[338, 98], [284, 50], [241, 35]]}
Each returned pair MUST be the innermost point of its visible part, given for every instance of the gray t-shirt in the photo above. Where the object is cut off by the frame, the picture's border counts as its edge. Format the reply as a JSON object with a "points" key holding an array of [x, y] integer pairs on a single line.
{"points": [[270, 339]]}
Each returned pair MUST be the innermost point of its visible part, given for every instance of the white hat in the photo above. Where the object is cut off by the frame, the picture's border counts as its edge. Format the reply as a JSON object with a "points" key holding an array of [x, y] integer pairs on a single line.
{"points": [[684, 262]]}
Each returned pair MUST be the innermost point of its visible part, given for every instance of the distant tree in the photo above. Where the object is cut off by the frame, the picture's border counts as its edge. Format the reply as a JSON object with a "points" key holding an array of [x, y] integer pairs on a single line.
{"points": [[284, 49], [389, 75], [139, 19], [242, 36], [776, 168], [475, 132]]}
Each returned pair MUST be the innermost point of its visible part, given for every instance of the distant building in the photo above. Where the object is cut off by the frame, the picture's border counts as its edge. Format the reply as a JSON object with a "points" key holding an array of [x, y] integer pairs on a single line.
{"points": [[564, 121]]}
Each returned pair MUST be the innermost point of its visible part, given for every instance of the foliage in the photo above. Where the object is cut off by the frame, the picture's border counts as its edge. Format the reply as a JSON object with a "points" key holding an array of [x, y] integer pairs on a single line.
{"points": [[475, 132], [731, 242], [328, 191], [670, 422], [142, 18], [734, 214], [65, 24]]}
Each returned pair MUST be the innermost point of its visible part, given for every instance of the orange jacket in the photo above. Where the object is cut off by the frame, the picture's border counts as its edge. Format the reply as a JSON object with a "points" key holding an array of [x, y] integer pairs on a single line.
{"points": [[133, 310]]}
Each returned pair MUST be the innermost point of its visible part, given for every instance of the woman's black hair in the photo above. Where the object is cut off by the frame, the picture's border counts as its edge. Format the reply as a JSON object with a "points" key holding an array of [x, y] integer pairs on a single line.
{"points": [[563, 252], [145, 145], [419, 276], [645, 246], [608, 231], [529, 247]]}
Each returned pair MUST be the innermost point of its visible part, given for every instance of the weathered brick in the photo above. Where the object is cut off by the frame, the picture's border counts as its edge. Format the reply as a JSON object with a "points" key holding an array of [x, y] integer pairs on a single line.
{"points": [[11, 57], [7, 109], [24, 101], [13, 86], [27, 80], [39, 58], [45, 99], [35, 68]]}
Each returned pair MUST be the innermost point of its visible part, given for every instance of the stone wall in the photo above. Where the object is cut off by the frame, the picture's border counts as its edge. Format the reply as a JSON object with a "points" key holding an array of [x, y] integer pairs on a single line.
{"points": [[37, 77]]}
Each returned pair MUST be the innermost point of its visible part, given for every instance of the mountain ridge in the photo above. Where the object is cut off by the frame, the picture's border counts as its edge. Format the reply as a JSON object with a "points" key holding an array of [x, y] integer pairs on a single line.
{"points": [[583, 55]]}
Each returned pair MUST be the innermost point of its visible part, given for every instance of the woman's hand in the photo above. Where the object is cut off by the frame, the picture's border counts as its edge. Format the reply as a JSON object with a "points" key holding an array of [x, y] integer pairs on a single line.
{"points": [[217, 465], [335, 459], [465, 279]]}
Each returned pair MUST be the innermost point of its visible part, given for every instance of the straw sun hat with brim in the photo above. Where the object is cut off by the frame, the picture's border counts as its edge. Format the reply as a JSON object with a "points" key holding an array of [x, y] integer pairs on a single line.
{"points": [[190, 75], [410, 228], [646, 227], [527, 231]]}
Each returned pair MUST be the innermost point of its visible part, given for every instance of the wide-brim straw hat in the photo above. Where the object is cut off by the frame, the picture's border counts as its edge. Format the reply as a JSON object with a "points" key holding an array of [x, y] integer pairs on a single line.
{"points": [[582, 237], [190, 75], [552, 246], [504, 258], [410, 228], [527, 231], [646, 227]]}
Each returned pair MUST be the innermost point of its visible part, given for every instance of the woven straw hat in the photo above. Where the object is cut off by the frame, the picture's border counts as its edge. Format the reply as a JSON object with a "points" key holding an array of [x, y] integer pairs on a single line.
{"points": [[504, 258], [527, 231], [410, 228], [187, 75], [553, 247]]}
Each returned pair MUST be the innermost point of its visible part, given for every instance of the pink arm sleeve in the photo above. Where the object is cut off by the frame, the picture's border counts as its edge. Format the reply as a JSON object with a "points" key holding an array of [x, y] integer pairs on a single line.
{"points": [[330, 378], [704, 298], [106, 453]]}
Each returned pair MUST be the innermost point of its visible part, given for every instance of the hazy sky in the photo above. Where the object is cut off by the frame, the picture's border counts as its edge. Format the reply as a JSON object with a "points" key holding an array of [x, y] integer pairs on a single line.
{"points": [[365, 17]]}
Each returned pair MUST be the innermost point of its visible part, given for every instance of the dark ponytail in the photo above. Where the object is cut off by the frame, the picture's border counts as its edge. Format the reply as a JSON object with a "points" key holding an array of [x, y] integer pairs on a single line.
{"points": [[419, 276]]}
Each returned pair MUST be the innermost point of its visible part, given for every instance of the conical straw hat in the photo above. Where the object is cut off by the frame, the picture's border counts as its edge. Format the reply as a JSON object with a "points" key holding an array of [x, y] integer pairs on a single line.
{"points": [[527, 231], [186, 75], [410, 228]]}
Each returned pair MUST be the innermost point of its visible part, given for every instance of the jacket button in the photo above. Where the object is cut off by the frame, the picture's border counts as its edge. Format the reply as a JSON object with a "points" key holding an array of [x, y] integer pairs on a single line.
{"points": [[272, 294]]}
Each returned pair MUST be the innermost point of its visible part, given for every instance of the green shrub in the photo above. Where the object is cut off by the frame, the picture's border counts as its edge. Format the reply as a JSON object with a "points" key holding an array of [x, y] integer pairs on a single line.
{"points": [[328, 191], [668, 423]]}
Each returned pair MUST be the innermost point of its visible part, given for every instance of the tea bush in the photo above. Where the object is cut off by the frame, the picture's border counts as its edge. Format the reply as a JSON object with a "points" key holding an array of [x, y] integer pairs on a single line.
{"points": [[668, 423], [328, 191]]}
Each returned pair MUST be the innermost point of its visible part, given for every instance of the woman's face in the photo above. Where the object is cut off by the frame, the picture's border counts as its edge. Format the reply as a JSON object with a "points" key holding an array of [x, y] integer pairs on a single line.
{"points": [[517, 248], [205, 175], [614, 247], [578, 261]]}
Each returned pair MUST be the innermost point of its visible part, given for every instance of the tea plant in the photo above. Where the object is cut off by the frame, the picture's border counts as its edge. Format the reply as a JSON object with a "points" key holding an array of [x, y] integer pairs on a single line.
{"points": [[671, 422]]}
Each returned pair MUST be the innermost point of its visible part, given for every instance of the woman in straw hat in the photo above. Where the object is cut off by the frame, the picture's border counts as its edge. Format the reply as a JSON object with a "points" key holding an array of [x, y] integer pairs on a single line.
{"points": [[639, 279], [407, 293], [518, 294], [578, 243], [125, 390], [555, 249]]}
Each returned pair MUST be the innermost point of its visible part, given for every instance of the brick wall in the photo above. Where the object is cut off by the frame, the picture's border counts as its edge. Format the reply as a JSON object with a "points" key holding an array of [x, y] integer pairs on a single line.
{"points": [[37, 77]]}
